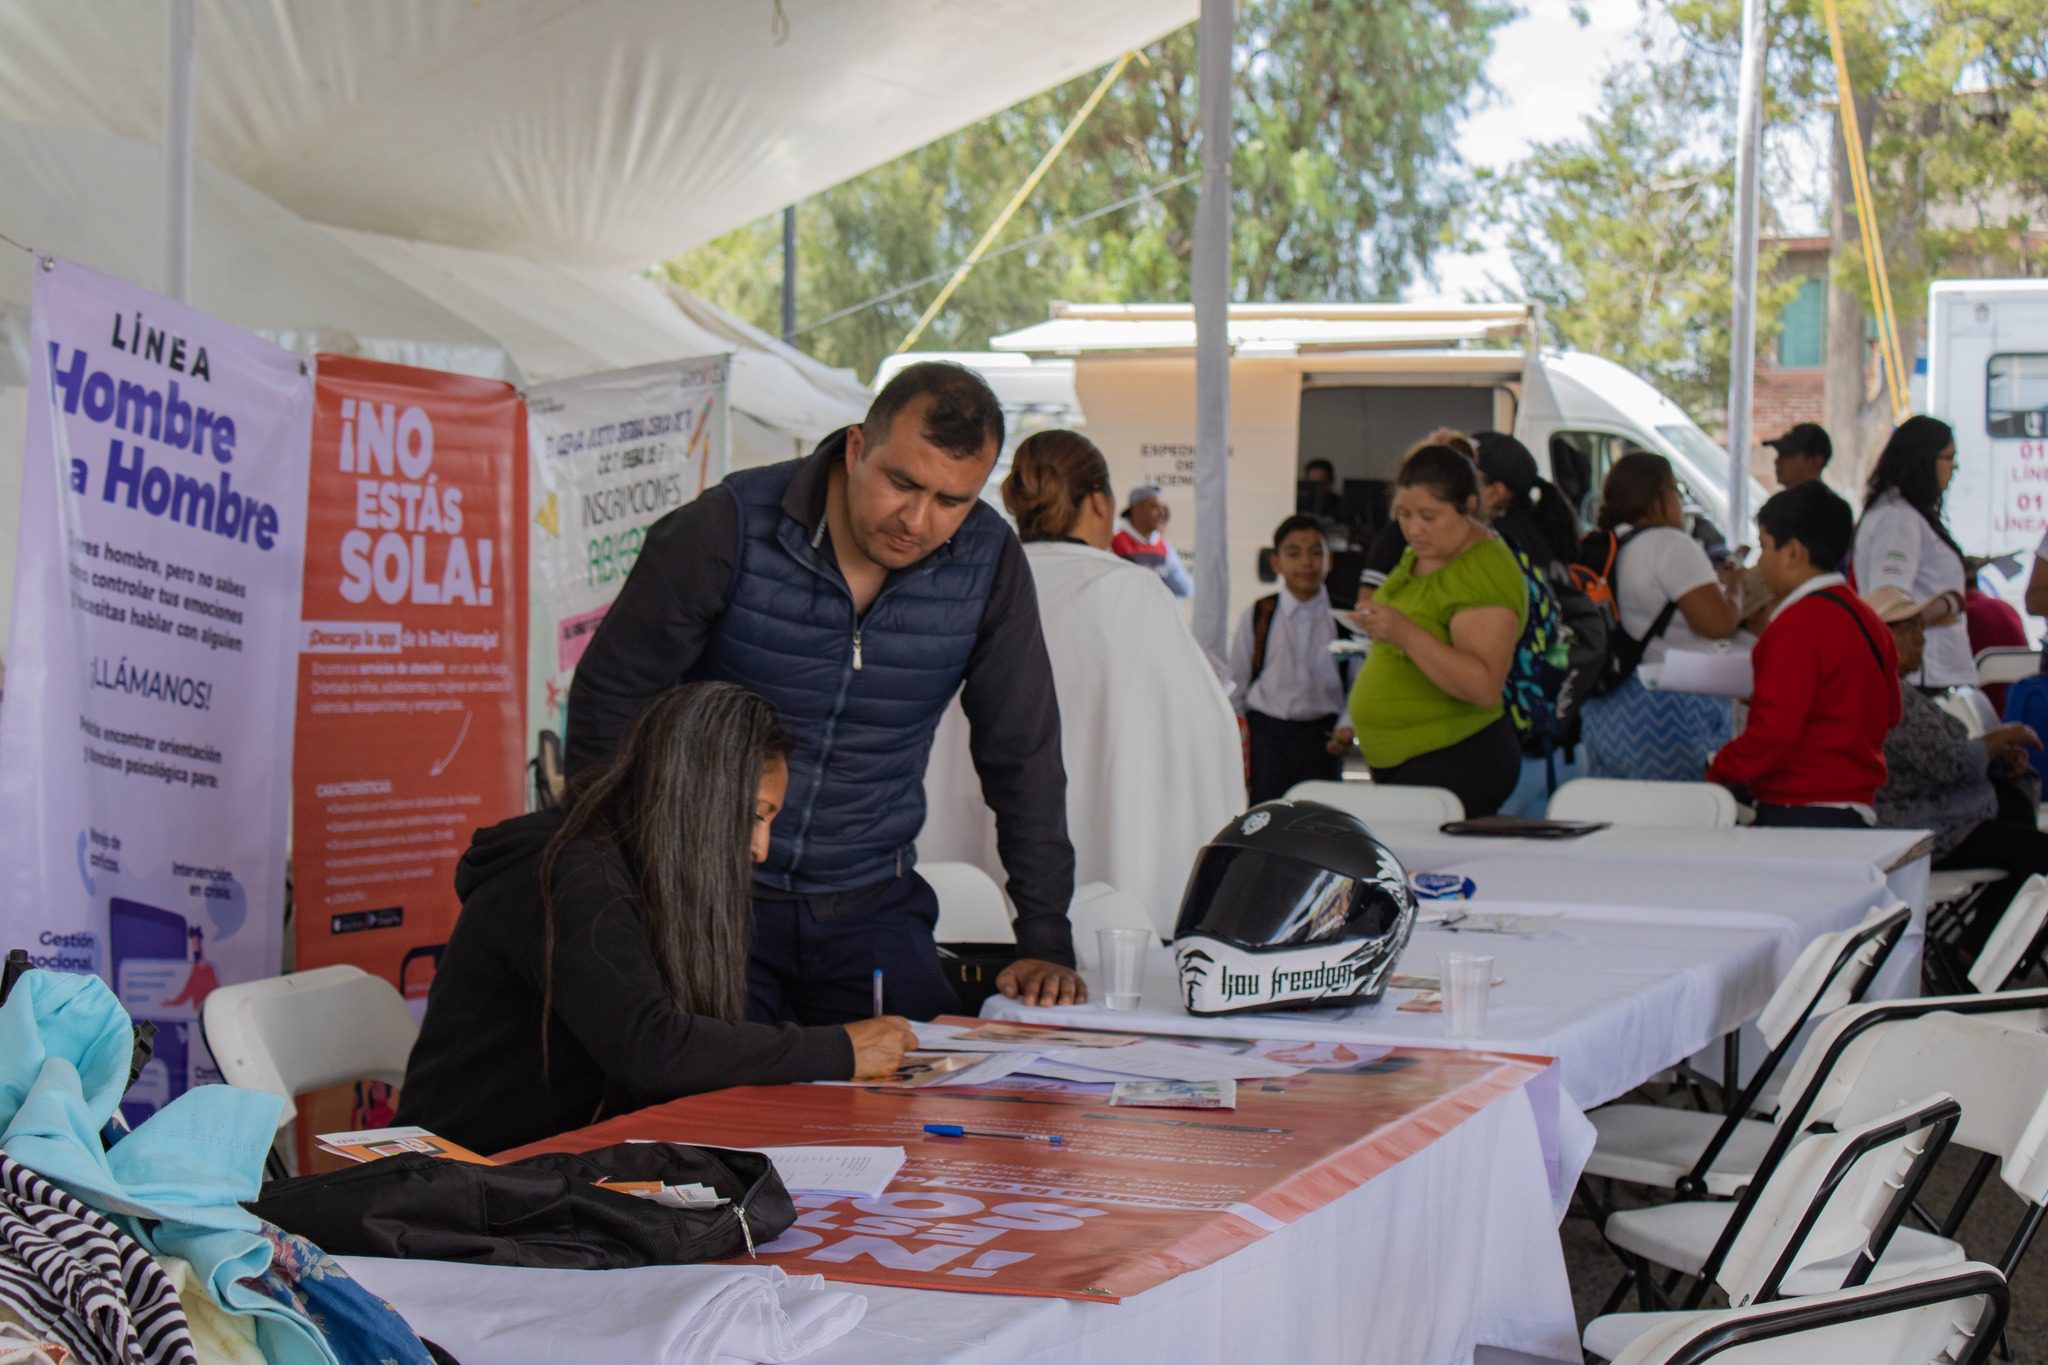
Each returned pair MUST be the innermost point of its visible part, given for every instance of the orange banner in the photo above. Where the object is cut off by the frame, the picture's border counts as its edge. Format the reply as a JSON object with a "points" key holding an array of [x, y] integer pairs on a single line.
{"points": [[410, 726], [1131, 1199]]}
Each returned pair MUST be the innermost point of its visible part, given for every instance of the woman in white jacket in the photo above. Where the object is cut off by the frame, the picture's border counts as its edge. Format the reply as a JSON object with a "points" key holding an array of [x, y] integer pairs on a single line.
{"points": [[1902, 542], [1154, 761]]}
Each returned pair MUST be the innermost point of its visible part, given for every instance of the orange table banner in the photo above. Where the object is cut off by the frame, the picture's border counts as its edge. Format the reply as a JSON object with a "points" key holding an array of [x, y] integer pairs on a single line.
{"points": [[411, 690], [1132, 1198]]}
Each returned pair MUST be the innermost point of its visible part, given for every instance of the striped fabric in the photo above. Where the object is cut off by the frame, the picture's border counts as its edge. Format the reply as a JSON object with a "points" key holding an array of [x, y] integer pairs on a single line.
{"points": [[72, 1274], [1635, 732]]}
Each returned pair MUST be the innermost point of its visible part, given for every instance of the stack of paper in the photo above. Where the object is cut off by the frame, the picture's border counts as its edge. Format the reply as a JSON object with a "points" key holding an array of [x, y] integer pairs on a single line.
{"points": [[1175, 1094], [691, 1196], [368, 1144], [861, 1171]]}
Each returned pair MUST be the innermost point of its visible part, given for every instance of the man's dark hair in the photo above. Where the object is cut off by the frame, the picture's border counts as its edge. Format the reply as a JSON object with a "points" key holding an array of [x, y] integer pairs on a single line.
{"points": [[1297, 523], [1323, 465], [964, 418], [1814, 515]]}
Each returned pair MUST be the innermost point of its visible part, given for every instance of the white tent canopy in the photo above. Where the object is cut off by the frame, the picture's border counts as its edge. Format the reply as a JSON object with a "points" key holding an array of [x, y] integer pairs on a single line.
{"points": [[258, 265], [559, 322], [598, 131]]}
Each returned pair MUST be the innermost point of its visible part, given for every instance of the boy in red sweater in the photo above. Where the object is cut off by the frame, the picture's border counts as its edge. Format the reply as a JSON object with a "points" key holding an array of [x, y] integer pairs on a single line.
{"points": [[1827, 685]]}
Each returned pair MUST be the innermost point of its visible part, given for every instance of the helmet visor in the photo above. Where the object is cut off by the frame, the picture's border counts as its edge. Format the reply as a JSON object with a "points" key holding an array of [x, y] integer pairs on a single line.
{"points": [[1266, 900]]}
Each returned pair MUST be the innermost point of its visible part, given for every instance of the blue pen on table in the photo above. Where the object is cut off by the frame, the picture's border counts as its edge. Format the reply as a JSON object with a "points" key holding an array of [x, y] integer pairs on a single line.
{"points": [[958, 1131], [878, 992]]}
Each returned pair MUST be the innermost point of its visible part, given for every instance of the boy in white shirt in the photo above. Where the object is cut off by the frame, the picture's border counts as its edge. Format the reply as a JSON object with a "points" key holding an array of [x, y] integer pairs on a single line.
{"points": [[1290, 689]]}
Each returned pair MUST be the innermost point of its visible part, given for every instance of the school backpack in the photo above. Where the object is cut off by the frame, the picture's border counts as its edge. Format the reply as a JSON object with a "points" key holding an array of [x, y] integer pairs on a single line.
{"points": [[1541, 664], [1615, 662]]}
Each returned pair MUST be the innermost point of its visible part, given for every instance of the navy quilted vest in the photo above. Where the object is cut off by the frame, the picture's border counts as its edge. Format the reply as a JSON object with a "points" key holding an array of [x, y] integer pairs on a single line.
{"points": [[861, 697]]}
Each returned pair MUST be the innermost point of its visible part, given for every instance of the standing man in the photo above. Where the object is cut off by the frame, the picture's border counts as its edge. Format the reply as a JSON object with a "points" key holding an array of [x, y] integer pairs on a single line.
{"points": [[857, 590], [1802, 453], [1141, 538]]}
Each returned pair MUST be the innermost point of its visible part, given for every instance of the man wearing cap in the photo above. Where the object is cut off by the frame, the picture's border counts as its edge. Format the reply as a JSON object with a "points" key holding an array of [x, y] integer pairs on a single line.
{"points": [[858, 590], [1141, 538], [1802, 453]]}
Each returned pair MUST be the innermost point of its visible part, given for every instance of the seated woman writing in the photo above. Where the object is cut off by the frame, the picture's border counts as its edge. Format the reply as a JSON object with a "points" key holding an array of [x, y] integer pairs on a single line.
{"points": [[600, 961], [1427, 705]]}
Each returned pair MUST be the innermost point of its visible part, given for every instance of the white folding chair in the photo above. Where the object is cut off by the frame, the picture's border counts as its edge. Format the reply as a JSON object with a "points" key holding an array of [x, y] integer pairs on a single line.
{"points": [[2006, 664], [971, 905], [1951, 1315], [1666, 805], [306, 1031], [1695, 1152], [1714, 1157], [1098, 905], [294, 1034], [1996, 1073], [1370, 801], [1821, 1218], [2012, 936], [1999, 1074]]}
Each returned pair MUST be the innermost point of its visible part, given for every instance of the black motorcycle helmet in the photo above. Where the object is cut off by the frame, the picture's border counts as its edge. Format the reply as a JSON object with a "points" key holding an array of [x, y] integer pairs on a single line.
{"points": [[1292, 904]]}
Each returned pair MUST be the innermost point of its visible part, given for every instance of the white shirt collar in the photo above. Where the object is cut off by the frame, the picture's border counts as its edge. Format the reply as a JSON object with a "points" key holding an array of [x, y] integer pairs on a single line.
{"points": [[1290, 604], [1807, 589]]}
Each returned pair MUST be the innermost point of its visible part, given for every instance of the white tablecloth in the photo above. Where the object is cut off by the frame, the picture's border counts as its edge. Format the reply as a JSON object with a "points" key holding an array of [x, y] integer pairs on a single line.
{"points": [[1813, 880], [1614, 999], [1454, 1247]]}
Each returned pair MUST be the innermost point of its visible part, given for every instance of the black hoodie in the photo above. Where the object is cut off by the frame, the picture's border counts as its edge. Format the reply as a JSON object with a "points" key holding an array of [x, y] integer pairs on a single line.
{"points": [[615, 1041]]}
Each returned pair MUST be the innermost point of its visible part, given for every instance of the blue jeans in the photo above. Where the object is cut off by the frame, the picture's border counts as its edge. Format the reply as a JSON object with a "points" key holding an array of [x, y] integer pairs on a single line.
{"points": [[807, 970]]}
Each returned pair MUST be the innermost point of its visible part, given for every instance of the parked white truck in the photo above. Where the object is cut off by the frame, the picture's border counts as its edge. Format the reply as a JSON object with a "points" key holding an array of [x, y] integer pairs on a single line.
{"points": [[1987, 376], [1354, 384]]}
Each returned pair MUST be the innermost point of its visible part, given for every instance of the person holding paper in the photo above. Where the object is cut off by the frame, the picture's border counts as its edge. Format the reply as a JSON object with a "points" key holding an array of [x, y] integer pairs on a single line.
{"points": [[1826, 686], [1427, 705], [1669, 598], [600, 961]]}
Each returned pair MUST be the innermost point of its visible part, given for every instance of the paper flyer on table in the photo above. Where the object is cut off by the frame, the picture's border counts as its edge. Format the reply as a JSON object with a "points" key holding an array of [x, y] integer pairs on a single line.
{"points": [[368, 1144], [861, 1171], [1171, 1062], [1175, 1094], [1715, 673]]}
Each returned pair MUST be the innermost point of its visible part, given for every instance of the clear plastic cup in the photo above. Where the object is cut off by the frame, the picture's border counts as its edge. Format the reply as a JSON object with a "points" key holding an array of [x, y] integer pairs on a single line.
{"points": [[1121, 954], [1467, 979]]}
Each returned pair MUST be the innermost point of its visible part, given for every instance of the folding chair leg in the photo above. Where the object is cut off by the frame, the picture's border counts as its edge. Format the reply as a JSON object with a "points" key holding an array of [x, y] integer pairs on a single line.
{"points": [[1986, 1164], [2022, 1238], [1620, 1295]]}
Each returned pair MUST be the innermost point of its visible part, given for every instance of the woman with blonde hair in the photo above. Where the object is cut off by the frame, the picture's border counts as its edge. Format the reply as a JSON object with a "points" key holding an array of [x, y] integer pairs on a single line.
{"points": [[1154, 763]]}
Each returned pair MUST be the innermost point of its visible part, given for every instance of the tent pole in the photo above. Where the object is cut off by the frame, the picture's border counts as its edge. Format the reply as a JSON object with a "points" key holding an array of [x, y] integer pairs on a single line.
{"points": [[1211, 282], [789, 273], [1742, 322], [179, 18]]}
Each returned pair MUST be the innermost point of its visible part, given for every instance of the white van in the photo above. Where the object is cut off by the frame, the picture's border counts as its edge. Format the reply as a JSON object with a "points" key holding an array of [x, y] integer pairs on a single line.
{"points": [[1355, 384], [1987, 376]]}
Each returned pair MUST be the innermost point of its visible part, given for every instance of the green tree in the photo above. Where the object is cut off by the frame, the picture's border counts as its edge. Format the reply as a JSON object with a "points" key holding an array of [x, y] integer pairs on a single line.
{"points": [[1345, 179], [1623, 232]]}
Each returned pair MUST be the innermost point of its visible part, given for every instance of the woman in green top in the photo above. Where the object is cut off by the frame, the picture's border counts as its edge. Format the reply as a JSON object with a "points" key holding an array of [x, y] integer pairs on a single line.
{"points": [[1427, 704]]}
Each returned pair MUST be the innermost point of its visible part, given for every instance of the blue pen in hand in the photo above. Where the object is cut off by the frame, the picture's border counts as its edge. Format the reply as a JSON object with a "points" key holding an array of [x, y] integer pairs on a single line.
{"points": [[878, 992], [957, 1131]]}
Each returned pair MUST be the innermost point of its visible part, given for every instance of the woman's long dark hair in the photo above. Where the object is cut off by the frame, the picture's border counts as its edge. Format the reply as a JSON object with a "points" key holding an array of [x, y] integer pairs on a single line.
{"points": [[1633, 487], [1907, 465], [677, 804]]}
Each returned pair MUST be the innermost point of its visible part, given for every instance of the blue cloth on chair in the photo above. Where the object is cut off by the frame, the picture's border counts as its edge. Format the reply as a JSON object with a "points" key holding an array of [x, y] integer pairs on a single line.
{"points": [[174, 1183]]}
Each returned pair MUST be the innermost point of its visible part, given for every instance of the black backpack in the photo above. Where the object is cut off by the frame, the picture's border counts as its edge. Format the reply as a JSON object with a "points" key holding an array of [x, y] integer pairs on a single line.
{"points": [[1618, 654], [543, 1210]]}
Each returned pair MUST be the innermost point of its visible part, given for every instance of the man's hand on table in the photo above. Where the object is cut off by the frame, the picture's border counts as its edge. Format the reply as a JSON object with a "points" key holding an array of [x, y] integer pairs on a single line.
{"points": [[1030, 981], [879, 1045]]}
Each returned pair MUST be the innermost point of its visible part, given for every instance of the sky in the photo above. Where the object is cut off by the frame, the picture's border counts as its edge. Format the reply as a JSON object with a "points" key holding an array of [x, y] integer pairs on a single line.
{"points": [[1546, 68]]}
